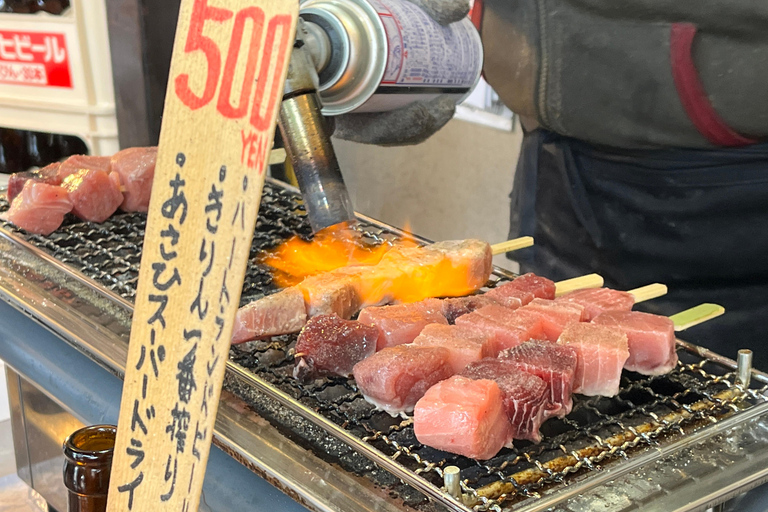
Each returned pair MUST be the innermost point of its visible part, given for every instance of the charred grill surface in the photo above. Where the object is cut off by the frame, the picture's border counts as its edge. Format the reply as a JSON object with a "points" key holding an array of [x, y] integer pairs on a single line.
{"points": [[647, 411]]}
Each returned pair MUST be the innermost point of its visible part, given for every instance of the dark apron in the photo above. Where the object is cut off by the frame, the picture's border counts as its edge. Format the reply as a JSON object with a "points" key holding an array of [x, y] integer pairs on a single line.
{"points": [[695, 220]]}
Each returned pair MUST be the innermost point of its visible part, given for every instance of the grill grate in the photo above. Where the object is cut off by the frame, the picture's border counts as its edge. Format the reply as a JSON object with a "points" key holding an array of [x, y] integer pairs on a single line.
{"points": [[647, 411]]}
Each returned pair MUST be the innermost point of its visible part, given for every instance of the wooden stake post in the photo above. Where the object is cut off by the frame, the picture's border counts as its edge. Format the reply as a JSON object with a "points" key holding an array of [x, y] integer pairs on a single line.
{"points": [[226, 83]]}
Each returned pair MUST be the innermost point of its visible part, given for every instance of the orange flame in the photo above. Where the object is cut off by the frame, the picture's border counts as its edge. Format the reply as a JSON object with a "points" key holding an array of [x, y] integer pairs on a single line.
{"points": [[331, 248]]}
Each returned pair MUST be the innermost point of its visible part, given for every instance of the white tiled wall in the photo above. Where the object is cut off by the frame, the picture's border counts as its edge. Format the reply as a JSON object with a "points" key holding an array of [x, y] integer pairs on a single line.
{"points": [[5, 411]]}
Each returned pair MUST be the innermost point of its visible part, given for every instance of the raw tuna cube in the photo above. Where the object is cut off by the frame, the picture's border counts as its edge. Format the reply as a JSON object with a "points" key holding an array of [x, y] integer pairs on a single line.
{"points": [[526, 397], [401, 323], [651, 340], [39, 208], [554, 364], [329, 345], [523, 290], [456, 307], [48, 175], [598, 300], [330, 293], [280, 313], [395, 378], [95, 194], [136, 168], [555, 315], [601, 353], [466, 345], [503, 327], [78, 162], [463, 416]]}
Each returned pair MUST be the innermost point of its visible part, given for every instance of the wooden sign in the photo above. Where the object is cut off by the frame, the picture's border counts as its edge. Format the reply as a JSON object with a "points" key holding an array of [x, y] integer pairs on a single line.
{"points": [[226, 82]]}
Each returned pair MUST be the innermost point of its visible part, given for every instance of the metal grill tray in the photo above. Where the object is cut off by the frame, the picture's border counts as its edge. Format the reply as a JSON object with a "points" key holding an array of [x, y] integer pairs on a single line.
{"points": [[650, 418]]}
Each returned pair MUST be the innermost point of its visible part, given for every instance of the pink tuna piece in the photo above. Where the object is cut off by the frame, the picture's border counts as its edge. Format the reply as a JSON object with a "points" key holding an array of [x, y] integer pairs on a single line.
{"points": [[554, 364], [329, 345], [401, 323], [555, 316], [456, 307], [395, 378], [48, 175], [523, 290], [526, 397], [280, 313], [598, 300], [465, 345], [651, 340], [136, 168], [329, 293], [503, 327], [601, 353], [95, 195], [78, 162], [39, 208], [463, 416]]}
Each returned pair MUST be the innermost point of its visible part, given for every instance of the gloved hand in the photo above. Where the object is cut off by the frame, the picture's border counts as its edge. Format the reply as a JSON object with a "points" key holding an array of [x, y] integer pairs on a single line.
{"points": [[413, 123]]}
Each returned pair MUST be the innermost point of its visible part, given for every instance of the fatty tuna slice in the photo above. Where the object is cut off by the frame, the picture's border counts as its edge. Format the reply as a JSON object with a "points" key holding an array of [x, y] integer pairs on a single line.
{"points": [[280, 313], [373, 284], [599, 300], [651, 340], [523, 290], [95, 194], [503, 327], [555, 316], [48, 175], [601, 354], [395, 378], [554, 364], [463, 416], [329, 293], [465, 345], [453, 308], [77, 163], [39, 208], [329, 345], [525, 396], [136, 168], [401, 323]]}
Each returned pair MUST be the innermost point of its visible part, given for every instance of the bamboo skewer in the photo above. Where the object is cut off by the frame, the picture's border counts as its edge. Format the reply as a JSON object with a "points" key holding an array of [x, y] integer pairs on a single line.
{"points": [[512, 245], [648, 292], [578, 283], [696, 315]]}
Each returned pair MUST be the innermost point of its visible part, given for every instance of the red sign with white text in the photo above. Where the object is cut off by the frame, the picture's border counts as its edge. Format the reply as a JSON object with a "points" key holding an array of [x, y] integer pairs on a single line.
{"points": [[34, 58]]}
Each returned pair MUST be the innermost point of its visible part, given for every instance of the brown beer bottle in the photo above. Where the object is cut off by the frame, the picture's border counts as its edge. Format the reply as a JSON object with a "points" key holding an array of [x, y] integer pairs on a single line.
{"points": [[88, 462]]}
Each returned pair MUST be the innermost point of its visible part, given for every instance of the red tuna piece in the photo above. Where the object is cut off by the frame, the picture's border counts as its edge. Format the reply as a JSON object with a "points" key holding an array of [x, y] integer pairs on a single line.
{"points": [[39, 208], [523, 290], [555, 316], [329, 345], [525, 396], [651, 340], [598, 300], [456, 307], [280, 313], [601, 352], [136, 168], [95, 194], [463, 416], [503, 327], [554, 364], [48, 175], [465, 345], [395, 378], [401, 323], [78, 162]]}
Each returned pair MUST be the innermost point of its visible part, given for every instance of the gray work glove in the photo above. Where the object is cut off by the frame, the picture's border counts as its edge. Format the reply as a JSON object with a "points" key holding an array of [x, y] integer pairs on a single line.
{"points": [[413, 123]]}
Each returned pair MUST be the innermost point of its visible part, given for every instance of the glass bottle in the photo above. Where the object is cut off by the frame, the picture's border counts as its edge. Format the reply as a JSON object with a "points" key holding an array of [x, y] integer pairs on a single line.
{"points": [[88, 462]]}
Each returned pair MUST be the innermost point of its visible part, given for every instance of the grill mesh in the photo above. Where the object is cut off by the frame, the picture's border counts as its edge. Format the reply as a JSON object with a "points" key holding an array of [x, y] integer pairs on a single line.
{"points": [[646, 411]]}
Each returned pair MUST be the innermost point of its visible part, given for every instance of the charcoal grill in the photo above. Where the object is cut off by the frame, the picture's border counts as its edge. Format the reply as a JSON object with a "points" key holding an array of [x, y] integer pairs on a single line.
{"points": [[682, 441]]}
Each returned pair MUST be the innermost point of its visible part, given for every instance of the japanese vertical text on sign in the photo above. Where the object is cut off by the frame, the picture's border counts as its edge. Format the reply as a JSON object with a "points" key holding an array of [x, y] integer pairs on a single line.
{"points": [[229, 63]]}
